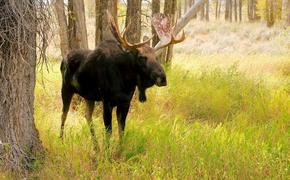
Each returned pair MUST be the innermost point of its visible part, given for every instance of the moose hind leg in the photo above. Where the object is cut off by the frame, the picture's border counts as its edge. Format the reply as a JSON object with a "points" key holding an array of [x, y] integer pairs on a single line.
{"points": [[66, 95], [89, 112]]}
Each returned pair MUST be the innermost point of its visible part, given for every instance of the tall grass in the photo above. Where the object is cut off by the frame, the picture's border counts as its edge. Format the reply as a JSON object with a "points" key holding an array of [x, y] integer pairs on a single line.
{"points": [[207, 123]]}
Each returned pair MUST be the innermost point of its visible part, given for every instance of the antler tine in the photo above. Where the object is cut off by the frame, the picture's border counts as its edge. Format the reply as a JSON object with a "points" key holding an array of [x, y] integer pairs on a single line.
{"points": [[161, 24], [114, 28], [167, 41], [122, 38], [182, 38]]}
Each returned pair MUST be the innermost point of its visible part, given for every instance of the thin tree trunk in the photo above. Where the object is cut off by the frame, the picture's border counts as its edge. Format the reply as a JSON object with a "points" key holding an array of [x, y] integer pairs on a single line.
{"points": [[270, 13], [231, 10], [236, 10], [288, 13], [219, 10], [241, 10], [62, 22], [202, 12], [207, 10], [18, 135], [216, 9], [171, 12], [134, 17], [227, 10], [155, 9]]}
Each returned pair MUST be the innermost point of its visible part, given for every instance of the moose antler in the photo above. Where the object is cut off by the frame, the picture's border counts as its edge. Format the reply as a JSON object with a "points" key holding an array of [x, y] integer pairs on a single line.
{"points": [[162, 26], [123, 39]]}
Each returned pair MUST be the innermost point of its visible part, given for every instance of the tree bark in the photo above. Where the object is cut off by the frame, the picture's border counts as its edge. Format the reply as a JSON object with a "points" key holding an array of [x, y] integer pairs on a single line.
{"points": [[134, 17], [155, 9], [202, 12], [216, 9], [270, 13], [240, 10], [185, 5], [19, 139], [102, 31], [207, 10], [236, 10], [170, 9], [227, 10], [62, 23], [77, 25], [288, 12]]}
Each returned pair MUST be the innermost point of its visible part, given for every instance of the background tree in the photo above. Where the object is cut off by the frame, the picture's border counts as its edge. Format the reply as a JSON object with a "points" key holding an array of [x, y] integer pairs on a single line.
{"points": [[228, 10], [102, 31], [77, 25], [170, 11], [63, 28], [288, 12], [207, 10], [72, 28], [240, 10], [155, 10], [133, 16], [269, 13], [19, 139]]}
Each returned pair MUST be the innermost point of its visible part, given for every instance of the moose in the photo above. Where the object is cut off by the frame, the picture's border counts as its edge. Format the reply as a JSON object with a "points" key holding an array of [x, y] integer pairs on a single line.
{"points": [[111, 73]]}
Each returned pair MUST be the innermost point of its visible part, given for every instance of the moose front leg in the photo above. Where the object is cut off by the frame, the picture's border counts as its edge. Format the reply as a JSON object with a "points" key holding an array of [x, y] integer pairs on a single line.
{"points": [[122, 111], [89, 113]]}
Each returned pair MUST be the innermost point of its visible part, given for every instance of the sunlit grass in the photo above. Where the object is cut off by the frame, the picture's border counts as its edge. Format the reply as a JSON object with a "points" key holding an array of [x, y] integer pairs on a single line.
{"points": [[209, 122]]}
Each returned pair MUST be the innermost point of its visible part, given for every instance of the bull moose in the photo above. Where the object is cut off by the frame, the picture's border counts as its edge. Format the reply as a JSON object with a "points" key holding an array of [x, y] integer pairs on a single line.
{"points": [[110, 74]]}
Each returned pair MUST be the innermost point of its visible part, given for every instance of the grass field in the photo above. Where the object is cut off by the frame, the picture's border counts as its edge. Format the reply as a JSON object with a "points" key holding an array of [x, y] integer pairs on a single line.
{"points": [[213, 121]]}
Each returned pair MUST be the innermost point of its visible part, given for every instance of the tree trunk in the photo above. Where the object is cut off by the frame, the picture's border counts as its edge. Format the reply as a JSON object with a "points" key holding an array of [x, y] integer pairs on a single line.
{"points": [[62, 23], [227, 10], [185, 5], [219, 10], [270, 13], [236, 10], [179, 10], [231, 10], [113, 8], [170, 9], [134, 17], [241, 10], [77, 24], [155, 9], [202, 12], [191, 4], [102, 31], [216, 9], [207, 10], [19, 139], [252, 10], [288, 13]]}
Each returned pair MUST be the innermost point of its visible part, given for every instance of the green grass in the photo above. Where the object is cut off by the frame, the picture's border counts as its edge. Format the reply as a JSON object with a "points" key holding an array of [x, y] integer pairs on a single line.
{"points": [[207, 123]]}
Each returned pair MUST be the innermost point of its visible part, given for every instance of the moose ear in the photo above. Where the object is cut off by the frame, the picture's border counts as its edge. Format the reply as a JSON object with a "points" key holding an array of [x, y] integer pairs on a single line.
{"points": [[145, 38]]}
